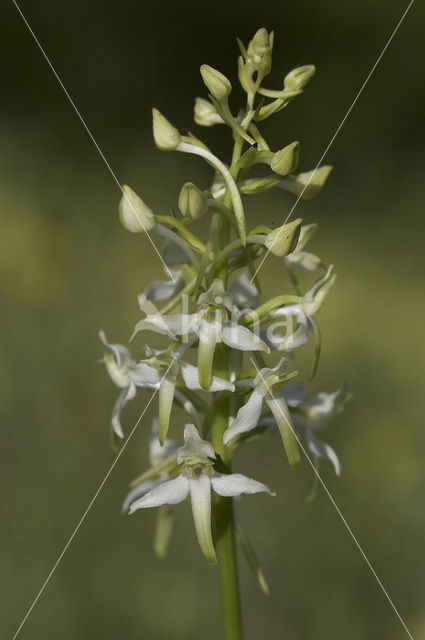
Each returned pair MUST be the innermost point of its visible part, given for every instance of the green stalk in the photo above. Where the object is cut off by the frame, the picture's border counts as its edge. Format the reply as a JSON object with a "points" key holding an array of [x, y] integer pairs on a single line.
{"points": [[223, 512], [223, 507]]}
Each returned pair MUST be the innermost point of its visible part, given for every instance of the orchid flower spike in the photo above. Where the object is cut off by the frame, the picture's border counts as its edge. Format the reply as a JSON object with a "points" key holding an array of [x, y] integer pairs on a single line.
{"points": [[210, 323], [197, 478]]}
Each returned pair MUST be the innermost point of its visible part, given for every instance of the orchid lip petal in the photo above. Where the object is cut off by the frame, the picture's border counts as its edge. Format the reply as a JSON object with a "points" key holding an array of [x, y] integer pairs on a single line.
{"points": [[200, 496], [166, 397], [191, 379]]}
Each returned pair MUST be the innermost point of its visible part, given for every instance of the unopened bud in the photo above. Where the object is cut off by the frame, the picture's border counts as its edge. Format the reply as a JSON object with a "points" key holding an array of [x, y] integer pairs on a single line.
{"points": [[286, 160], [260, 50], [283, 240], [298, 78], [135, 215], [217, 83], [165, 135], [205, 113], [308, 185], [191, 201]]}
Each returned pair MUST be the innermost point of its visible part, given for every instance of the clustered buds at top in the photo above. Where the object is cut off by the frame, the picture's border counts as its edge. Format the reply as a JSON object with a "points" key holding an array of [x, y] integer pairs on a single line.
{"points": [[217, 83], [284, 239], [286, 160], [260, 51], [192, 203], [165, 135], [205, 113], [135, 215], [298, 78]]}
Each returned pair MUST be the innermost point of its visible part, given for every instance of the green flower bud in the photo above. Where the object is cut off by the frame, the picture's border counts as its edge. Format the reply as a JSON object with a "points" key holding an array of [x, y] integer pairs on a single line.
{"points": [[308, 184], [286, 160], [135, 215], [260, 51], [283, 240], [205, 113], [192, 203], [165, 135], [298, 78], [217, 83]]}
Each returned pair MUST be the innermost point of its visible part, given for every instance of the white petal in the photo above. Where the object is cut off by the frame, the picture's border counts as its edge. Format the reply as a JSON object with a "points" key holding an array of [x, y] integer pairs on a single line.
{"points": [[194, 445], [234, 484], [138, 492], [305, 261], [123, 398], [160, 290], [327, 405], [191, 379], [247, 417], [158, 454], [244, 292], [323, 450], [200, 496], [145, 376], [121, 353], [170, 492], [239, 337]]}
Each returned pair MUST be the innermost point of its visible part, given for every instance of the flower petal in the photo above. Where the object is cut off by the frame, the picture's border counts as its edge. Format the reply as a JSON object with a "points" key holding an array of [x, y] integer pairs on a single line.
{"points": [[166, 397], [139, 491], [144, 376], [239, 337], [280, 410], [191, 379], [234, 484], [208, 335], [247, 417], [123, 398], [200, 496], [170, 492], [194, 445], [323, 450], [305, 261], [244, 292]]}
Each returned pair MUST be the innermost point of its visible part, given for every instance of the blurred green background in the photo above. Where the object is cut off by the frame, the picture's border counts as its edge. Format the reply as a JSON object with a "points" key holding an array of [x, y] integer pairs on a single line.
{"points": [[67, 269]]}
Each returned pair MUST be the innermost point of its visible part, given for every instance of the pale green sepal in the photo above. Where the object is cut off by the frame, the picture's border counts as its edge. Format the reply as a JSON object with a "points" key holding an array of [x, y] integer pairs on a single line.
{"points": [[283, 240], [164, 529], [298, 78], [216, 82], [286, 160], [281, 414], [307, 185], [165, 135], [135, 215], [205, 113], [258, 185], [192, 203]]}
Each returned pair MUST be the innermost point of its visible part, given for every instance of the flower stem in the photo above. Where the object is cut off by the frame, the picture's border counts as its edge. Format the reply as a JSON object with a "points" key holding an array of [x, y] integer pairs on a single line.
{"points": [[223, 512]]}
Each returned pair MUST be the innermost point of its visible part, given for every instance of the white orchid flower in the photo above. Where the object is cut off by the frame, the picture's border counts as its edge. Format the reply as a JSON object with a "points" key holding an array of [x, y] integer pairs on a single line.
{"points": [[301, 259], [169, 365], [210, 323], [197, 478], [303, 312], [249, 414], [127, 374], [316, 415], [163, 460], [311, 417]]}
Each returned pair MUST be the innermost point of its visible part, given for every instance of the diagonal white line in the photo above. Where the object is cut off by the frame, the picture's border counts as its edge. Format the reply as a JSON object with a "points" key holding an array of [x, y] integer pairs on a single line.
{"points": [[338, 510], [91, 136], [337, 131], [83, 517]]}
